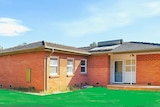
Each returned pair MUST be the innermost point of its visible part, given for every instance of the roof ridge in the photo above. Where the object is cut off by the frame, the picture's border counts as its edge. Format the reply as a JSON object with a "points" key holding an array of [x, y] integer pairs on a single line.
{"points": [[61, 44], [45, 44], [149, 43], [21, 45], [24, 46]]}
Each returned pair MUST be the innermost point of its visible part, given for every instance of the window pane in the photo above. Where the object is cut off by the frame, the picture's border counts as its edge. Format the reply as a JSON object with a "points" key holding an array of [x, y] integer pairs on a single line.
{"points": [[128, 68], [128, 62], [53, 70], [70, 65], [133, 68], [53, 61], [133, 62], [69, 70], [118, 66], [70, 62], [83, 69], [83, 66], [83, 62]]}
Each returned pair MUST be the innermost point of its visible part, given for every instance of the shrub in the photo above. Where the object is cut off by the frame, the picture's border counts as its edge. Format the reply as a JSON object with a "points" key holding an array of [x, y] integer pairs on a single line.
{"points": [[26, 89]]}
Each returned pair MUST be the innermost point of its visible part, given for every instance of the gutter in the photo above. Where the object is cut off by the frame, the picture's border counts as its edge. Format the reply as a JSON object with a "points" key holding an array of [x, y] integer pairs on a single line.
{"points": [[52, 51], [45, 68], [67, 50], [136, 51]]}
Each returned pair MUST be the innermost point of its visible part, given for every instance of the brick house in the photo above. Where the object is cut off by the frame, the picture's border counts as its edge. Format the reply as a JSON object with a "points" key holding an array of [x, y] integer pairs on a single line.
{"points": [[53, 67]]}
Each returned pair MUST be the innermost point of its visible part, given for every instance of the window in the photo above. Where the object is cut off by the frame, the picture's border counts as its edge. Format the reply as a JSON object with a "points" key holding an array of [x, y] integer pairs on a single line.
{"points": [[130, 65], [53, 66], [70, 66], [83, 66]]}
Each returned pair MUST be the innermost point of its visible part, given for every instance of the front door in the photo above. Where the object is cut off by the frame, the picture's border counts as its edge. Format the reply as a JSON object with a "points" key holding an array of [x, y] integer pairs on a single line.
{"points": [[118, 71], [130, 71]]}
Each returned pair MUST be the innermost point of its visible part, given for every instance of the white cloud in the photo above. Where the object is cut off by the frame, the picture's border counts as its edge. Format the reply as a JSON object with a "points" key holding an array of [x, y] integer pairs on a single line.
{"points": [[102, 18], [94, 24], [154, 7], [11, 27]]}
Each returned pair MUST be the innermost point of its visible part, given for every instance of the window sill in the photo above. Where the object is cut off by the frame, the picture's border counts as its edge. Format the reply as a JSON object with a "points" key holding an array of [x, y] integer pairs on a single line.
{"points": [[84, 74], [70, 75], [54, 76]]}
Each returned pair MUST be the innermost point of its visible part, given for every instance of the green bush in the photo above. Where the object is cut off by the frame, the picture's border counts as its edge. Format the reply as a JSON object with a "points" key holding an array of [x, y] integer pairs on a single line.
{"points": [[26, 89]]}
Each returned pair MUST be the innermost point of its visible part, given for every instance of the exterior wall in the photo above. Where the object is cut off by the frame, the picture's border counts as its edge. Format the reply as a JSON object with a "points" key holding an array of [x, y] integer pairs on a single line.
{"points": [[13, 70], [62, 81], [99, 70], [148, 69], [126, 76]]}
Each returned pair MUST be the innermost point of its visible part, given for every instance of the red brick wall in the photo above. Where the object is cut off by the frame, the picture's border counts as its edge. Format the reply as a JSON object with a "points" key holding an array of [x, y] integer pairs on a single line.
{"points": [[148, 69], [61, 82], [99, 70], [13, 70]]}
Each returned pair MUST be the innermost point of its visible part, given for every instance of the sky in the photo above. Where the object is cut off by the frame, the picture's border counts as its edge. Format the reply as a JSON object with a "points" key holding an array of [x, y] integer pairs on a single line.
{"points": [[78, 22]]}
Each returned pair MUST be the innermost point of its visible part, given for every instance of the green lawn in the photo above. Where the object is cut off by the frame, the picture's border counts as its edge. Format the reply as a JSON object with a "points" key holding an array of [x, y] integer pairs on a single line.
{"points": [[92, 97]]}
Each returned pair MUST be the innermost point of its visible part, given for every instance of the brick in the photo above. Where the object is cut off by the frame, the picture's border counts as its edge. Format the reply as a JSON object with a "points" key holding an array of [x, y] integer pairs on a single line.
{"points": [[13, 70], [148, 69], [99, 70]]}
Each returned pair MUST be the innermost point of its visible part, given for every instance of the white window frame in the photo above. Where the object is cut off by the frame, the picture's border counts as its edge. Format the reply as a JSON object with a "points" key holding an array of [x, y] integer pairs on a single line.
{"points": [[85, 66], [71, 66], [57, 65]]}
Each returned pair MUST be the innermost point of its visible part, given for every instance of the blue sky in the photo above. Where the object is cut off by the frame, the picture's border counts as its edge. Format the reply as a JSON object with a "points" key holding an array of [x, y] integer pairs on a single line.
{"points": [[78, 22]]}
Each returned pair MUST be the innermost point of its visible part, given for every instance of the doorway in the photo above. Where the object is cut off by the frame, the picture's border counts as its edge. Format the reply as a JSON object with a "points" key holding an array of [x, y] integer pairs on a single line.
{"points": [[118, 71]]}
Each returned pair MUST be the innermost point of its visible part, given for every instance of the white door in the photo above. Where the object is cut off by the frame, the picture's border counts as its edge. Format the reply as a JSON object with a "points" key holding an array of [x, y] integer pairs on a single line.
{"points": [[130, 71]]}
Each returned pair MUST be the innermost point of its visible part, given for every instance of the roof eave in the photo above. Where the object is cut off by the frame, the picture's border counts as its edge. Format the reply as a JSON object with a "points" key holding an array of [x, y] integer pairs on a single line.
{"points": [[22, 51], [100, 52], [68, 51], [137, 51]]}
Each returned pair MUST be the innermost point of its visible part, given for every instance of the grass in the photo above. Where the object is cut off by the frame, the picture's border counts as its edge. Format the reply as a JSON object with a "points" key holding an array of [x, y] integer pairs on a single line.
{"points": [[92, 97]]}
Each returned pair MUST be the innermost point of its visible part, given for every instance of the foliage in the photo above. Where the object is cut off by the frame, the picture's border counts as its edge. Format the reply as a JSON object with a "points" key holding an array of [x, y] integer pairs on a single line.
{"points": [[94, 44], [24, 43], [25, 89], [1, 48]]}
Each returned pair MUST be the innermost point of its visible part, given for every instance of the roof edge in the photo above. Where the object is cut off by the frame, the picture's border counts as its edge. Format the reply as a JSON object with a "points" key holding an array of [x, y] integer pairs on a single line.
{"points": [[67, 50], [22, 51], [137, 51]]}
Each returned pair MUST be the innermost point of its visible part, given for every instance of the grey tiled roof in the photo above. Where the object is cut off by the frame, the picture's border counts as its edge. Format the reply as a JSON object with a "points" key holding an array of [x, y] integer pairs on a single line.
{"points": [[121, 48], [65, 48], [86, 48], [136, 46], [24, 47], [43, 44]]}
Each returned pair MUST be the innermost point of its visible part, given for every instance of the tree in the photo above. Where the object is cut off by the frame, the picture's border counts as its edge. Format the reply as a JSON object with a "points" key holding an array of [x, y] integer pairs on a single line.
{"points": [[94, 44], [1, 48], [24, 43]]}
